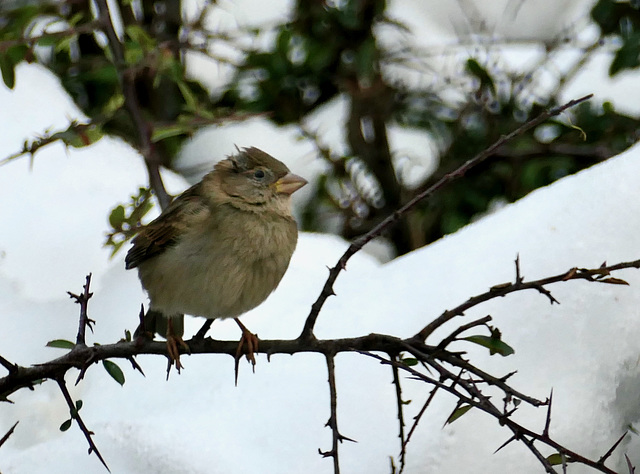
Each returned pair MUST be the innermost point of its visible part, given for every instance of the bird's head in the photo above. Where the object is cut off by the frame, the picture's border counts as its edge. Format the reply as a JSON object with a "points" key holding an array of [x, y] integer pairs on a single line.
{"points": [[254, 178]]}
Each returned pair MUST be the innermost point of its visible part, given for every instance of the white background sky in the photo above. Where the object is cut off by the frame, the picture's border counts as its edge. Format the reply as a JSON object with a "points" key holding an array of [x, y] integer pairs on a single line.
{"points": [[53, 222]]}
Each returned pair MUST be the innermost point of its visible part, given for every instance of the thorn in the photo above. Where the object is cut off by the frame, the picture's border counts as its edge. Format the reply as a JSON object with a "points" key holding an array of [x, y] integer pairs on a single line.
{"points": [[545, 432], [610, 452], [513, 438]]}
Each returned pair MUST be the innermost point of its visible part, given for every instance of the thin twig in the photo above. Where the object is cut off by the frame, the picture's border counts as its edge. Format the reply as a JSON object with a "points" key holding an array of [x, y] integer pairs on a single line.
{"points": [[452, 337], [416, 420], [76, 416], [538, 285], [400, 404], [327, 290], [83, 301], [476, 399], [127, 84], [333, 418]]}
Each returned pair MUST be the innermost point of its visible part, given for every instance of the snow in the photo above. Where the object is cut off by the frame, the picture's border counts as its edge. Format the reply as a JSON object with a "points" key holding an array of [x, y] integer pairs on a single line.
{"points": [[585, 349]]}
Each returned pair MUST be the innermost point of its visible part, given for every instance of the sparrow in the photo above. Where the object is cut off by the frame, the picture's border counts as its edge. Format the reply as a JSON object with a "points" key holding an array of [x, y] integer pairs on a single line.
{"points": [[220, 248]]}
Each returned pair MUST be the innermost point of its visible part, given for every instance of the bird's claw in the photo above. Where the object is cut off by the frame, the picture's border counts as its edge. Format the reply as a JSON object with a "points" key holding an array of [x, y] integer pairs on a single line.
{"points": [[251, 340]]}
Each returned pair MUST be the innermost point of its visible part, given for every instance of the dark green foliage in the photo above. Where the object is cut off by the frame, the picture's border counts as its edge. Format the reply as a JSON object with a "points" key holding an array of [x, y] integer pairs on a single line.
{"points": [[322, 51]]}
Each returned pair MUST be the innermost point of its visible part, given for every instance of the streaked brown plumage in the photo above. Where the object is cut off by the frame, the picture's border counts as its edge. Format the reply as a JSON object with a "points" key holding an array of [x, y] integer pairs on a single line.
{"points": [[224, 244]]}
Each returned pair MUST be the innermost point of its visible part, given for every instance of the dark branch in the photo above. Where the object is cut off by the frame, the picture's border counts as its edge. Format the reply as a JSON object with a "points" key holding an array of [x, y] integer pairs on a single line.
{"points": [[127, 84], [76, 416], [327, 290], [83, 301], [474, 397], [416, 420], [400, 404], [538, 285]]}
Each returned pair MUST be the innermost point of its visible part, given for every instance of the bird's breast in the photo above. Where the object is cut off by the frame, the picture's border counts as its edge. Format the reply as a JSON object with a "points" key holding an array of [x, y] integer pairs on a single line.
{"points": [[224, 270]]}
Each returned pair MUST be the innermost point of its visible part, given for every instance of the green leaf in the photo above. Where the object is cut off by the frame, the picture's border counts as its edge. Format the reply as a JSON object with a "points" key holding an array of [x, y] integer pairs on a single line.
{"points": [[628, 56], [61, 344], [409, 362], [187, 95], [116, 218], [494, 344], [8, 74], [475, 69], [78, 405], [48, 41], [457, 413], [160, 133], [555, 459], [113, 370], [66, 425], [139, 35]]}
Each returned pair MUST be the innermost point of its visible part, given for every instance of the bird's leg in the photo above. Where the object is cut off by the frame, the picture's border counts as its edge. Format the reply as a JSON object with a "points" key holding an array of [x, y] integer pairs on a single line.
{"points": [[173, 341], [251, 341]]}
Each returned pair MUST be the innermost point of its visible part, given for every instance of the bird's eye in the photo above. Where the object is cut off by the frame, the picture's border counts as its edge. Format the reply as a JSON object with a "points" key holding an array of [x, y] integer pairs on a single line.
{"points": [[258, 174]]}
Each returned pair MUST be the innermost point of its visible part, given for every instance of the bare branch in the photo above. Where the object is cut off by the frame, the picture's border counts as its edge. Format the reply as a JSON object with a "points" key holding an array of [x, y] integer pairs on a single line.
{"points": [[400, 405], [416, 420], [333, 418], [327, 290], [538, 285], [83, 301], [76, 416], [476, 399]]}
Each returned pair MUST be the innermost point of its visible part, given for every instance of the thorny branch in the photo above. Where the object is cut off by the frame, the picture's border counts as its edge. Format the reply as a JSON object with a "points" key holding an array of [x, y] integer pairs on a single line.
{"points": [[400, 403], [454, 374], [437, 358], [83, 301], [600, 275], [327, 290], [467, 392], [73, 409], [333, 417]]}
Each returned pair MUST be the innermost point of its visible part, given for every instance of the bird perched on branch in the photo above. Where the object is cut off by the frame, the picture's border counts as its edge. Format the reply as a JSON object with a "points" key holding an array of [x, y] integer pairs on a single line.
{"points": [[220, 248]]}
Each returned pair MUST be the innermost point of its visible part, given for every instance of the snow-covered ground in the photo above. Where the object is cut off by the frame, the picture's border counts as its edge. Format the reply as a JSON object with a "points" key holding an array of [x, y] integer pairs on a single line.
{"points": [[53, 222]]}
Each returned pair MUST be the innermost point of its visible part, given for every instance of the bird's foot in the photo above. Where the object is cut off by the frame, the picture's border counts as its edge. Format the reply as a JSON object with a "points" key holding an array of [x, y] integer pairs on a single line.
{"points": [[251, 340], [174, 343]]}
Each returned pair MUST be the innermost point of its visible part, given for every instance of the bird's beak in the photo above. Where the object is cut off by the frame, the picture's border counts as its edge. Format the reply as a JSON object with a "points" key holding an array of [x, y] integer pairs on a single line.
{"points": [[289, 183]]}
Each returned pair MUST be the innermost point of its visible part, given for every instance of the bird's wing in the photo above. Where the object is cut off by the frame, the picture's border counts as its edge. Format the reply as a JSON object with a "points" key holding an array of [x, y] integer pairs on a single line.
{"points": [[165, 231]]}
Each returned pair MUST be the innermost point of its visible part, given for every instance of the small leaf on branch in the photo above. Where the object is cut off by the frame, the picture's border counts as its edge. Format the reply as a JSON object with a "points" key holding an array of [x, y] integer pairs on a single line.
{"points": [[61, 344], [409, 361], [66, 425], [614, 281], [457, 413], [113, 370], [555, 459], [116, 218], [494, 344]]}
